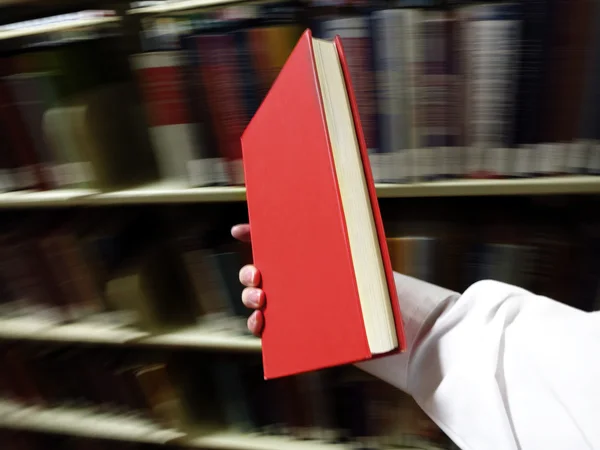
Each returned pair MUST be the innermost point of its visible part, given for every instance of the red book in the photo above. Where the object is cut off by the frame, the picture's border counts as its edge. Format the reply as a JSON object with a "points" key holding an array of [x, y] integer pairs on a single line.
{"points": [[317, 233]]}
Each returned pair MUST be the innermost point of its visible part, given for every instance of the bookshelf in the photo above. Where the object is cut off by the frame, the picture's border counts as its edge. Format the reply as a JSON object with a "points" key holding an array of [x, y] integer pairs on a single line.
{"points": [[154, 24], [89, 423], [201, 337], [169, 7], [49, 27], [169, 193]]}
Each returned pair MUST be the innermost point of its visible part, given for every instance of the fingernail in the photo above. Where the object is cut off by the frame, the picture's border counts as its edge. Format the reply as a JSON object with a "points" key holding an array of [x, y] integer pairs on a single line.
{"points": [[246, 276], [254, 297]]}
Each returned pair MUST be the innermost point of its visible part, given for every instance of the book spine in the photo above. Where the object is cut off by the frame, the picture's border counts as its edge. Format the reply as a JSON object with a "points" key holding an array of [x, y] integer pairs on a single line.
{"points": [[211, 168], [8, 165], [533, 42], [221, 72], [387, 32], [172, 130], [270, 47], [492, 37], [432, 92], [356, 38], [565, 68], [413, 49], [453, 163], [586, 150], [248, 76], [27, 92], [28, 172]]}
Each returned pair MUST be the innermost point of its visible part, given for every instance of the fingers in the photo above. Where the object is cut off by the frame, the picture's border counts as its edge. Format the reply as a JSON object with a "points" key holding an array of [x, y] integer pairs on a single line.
{"points": [[250, 276], [241, 232], [253, 298], [256, 323]]}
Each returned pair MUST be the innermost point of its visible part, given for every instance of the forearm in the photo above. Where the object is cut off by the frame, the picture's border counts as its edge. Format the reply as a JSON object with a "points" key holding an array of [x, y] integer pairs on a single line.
{"points": [[498, 367]]}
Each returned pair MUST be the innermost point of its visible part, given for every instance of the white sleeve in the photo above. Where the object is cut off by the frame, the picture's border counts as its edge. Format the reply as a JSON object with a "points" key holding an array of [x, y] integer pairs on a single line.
{"points": [[499, 367]]}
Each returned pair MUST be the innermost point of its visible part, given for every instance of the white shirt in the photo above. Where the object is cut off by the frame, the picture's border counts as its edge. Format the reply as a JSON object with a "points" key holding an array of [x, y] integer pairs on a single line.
{"points": [[499, 367]]}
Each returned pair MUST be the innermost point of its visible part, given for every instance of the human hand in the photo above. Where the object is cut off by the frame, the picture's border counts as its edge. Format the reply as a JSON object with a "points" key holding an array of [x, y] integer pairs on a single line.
{"points": [[253, 297]]}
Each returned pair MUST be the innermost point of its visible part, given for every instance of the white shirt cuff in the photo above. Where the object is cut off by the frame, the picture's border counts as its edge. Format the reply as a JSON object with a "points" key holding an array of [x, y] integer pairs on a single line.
{"points": [[420, 304]]}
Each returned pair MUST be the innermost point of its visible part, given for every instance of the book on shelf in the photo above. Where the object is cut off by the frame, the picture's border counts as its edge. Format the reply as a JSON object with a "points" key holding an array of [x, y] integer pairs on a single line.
{"points": [[313, 98], [444, 90], [490, 46]]}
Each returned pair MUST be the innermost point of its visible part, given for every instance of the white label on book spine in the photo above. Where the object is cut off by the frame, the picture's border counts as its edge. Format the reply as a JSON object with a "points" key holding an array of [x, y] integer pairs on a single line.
{"points": [[558, 157], [69, 174], [237, 171], [7, 181], [454, 161], [428, 159], [219, 166], [207, 171], [390, 169], [577, 156], [522, 161], [375, 161], [404, 165], [473, 159], [25, 177], [594, 159], [418, 159], [544, 157], [502, 159]]}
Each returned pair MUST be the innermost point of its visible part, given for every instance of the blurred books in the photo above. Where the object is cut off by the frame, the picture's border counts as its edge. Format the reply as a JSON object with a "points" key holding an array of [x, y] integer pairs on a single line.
{"points": [[197, 394], [471, 91]]}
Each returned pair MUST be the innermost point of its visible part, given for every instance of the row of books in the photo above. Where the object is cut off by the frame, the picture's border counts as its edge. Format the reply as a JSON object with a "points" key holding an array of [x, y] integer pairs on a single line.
{"points": [[506, 89], [549, 251], [142, 270], [159, 271], [195, 393], [125, 269]]}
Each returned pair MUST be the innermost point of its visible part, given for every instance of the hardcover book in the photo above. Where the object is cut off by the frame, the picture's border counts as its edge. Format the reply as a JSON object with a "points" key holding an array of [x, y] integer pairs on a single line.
{"points": [[317, 233]]}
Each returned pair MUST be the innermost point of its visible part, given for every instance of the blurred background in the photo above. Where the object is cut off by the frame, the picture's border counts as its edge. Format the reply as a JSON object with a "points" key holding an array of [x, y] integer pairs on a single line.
{"points": [[121, 324]]}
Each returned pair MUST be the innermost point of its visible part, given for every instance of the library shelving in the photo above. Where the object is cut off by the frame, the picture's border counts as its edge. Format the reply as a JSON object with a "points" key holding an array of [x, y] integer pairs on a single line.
{"points": [[168, 7], [85, 422], [198, 337], [161, 192], [42, 27]]}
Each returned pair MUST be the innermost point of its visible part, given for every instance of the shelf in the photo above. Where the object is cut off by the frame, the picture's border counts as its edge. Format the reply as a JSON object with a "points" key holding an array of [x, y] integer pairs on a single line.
{"points": [[31, 28], [86, 422], [166, 192], [576, 184], [181, 5], [43, 199], [199, 337], [240, 441], [83, 422]]}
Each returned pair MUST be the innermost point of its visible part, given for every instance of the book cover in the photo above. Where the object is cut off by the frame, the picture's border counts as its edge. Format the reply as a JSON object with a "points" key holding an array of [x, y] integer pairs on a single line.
{"points": [[311, 233]]}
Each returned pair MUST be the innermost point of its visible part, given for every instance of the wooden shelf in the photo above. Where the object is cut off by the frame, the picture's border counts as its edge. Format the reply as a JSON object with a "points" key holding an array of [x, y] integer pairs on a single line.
{"points": [[165, 192], [45, 199], [83, 422], [197, 337], [90, 423], [46, 27], [576, 184], [181, 5], [168, 192]]}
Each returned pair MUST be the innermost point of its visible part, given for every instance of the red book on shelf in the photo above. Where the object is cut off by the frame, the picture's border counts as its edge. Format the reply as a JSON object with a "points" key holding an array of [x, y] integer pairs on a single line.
{"points": [[317, 233]]}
